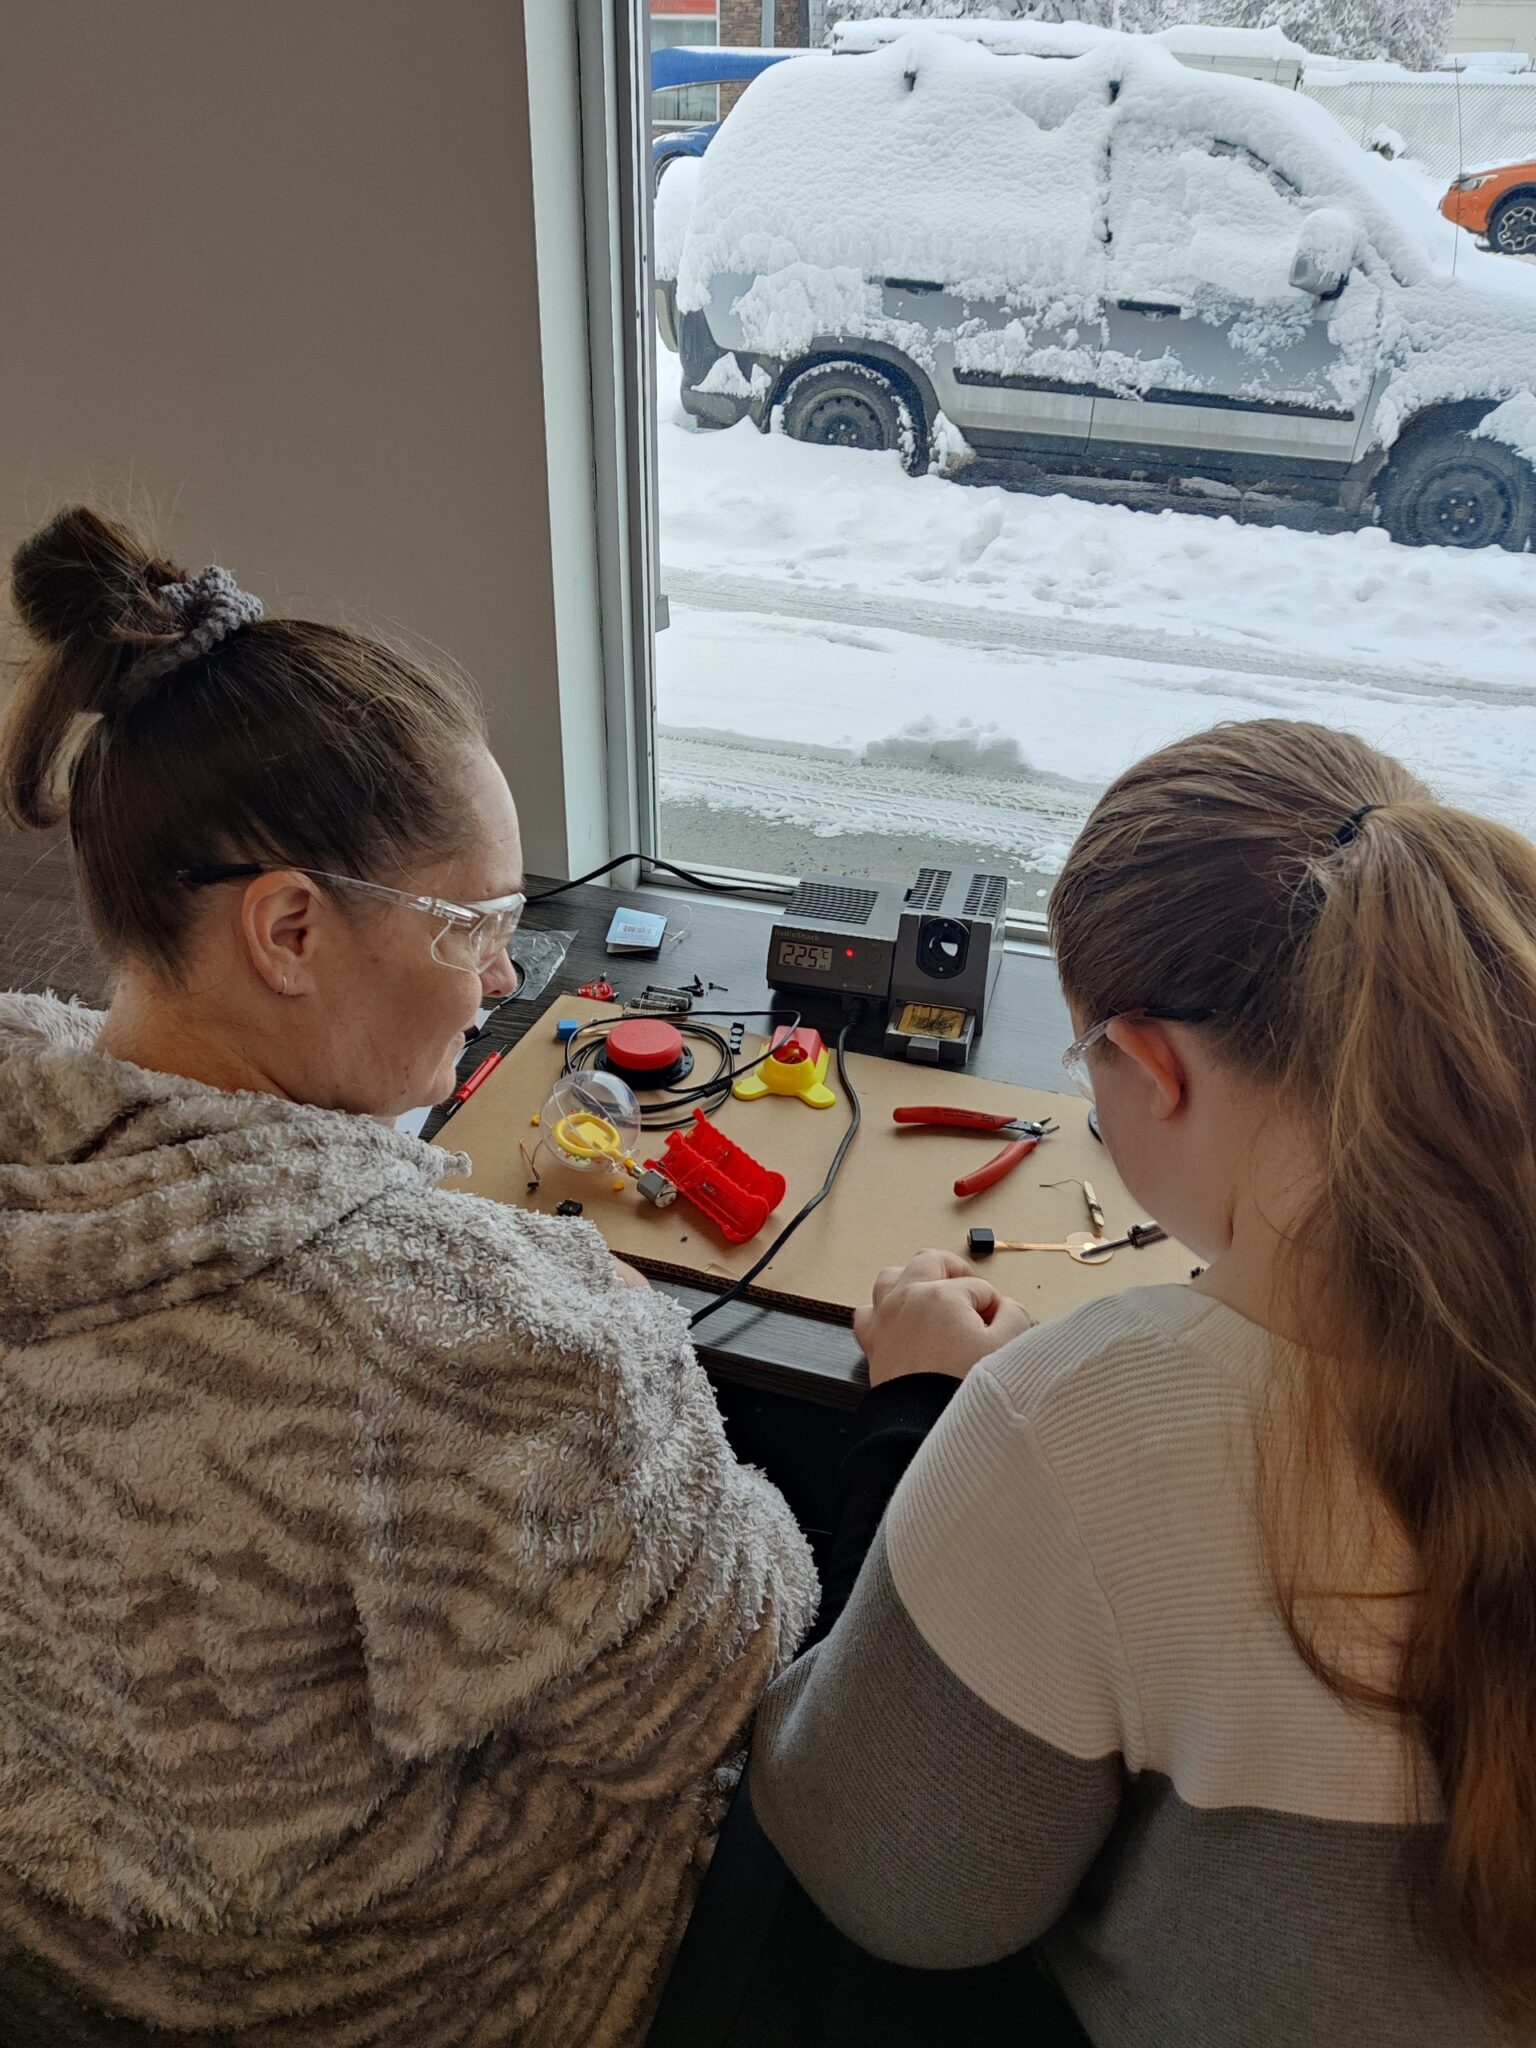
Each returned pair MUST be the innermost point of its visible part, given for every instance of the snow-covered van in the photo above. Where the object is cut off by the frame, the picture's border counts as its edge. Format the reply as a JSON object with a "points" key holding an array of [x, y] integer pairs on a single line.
{"points": [[1073, 254]]}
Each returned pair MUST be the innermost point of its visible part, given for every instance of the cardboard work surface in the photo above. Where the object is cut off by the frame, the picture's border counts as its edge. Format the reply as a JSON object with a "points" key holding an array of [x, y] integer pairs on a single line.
{"points": [[894, 1195]]}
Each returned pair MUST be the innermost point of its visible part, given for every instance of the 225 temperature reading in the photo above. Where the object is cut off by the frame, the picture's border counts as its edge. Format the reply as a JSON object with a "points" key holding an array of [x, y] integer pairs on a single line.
{"points": [[817, 958]]}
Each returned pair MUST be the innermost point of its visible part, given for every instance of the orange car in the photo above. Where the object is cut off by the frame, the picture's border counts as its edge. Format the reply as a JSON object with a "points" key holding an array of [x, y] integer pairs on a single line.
{"points": [[1500, 203]]}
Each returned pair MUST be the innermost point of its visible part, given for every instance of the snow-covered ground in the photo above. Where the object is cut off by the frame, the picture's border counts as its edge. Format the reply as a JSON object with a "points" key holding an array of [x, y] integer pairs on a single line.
{"points": [[862, 668]]}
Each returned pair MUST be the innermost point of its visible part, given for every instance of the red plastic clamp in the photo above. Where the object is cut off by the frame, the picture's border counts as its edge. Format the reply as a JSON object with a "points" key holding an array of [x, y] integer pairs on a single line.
{"points": [[710, 1170]]}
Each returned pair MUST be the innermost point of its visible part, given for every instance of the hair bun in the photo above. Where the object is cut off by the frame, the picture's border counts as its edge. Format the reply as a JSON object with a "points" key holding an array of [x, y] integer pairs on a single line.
{"points": [[83, 576]]}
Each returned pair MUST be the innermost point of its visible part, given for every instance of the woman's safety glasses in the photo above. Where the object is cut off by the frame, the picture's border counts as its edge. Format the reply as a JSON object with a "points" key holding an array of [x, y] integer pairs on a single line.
{"points": [[468, 935]]}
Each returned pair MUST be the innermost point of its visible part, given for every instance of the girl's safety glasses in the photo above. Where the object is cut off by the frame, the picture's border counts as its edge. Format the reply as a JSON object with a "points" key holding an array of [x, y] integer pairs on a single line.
{"points": [[1075, 1058], [468, 934]]}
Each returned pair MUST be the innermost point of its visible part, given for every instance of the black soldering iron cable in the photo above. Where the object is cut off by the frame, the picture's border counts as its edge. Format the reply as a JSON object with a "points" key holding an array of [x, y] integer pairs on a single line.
{"points": [[736, 888], [740, 1286]]}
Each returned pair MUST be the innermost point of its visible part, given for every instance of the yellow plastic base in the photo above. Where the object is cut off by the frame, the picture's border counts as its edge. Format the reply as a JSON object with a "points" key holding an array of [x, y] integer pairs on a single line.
{"points": [[805, 1078]]}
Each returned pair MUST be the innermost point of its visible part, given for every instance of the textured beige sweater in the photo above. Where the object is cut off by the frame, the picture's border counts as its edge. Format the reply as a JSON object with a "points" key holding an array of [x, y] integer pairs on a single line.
{"points": [[381, 1606]]}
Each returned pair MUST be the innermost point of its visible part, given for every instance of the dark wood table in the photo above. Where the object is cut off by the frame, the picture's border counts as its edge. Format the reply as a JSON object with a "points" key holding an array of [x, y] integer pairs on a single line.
{"points": [[787, 1384]]}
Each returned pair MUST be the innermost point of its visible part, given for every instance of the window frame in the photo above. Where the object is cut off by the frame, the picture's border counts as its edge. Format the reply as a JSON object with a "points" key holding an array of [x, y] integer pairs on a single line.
{"points": [[611, 46]]}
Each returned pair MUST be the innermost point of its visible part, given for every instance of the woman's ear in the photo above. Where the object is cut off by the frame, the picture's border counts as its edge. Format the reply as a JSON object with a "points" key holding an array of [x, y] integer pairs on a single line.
{"points": [[1148, 1044], [277, 923]]}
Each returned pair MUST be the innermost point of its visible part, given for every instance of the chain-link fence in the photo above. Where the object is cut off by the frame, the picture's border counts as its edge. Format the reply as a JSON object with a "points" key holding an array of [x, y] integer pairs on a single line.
{"points": [[1448, 123]]}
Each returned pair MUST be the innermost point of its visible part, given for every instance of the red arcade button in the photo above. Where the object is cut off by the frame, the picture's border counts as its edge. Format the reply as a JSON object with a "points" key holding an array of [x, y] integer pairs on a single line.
{"points": [[644, 1045]]}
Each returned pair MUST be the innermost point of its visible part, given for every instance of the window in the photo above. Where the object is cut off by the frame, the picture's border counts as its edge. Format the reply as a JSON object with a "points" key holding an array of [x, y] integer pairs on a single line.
{"points": [[678, 24], [1022, 405]]}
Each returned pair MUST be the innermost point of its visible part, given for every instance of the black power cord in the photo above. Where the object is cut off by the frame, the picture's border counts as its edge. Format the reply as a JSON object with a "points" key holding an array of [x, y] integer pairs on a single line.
{"points": [[649, 860], [739, 1287]]}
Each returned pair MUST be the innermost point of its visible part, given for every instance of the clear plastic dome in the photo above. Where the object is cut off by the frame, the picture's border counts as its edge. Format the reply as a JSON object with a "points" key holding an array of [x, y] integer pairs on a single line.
{"points": [[592, 1119]]}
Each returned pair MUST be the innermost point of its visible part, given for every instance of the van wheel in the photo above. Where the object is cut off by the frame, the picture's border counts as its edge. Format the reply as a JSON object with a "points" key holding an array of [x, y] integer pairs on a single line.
{"points": [[1446, 490], [852, 405], [1513, 226]]}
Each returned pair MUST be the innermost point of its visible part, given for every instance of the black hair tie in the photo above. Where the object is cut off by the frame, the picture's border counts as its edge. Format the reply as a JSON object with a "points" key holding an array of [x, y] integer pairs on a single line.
{"points": [[1350, 829]]}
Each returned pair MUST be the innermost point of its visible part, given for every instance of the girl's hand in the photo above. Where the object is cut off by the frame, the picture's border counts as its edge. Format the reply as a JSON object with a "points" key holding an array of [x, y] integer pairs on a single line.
{"points": [[934, 1314]]}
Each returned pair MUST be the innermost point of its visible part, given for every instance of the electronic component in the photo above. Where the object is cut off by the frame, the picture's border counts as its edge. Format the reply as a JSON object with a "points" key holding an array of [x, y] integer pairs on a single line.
{"points": [[725, 1183], [655, 1188], [796, 1065], [647, 1052], [948, 954], [836, 935]]}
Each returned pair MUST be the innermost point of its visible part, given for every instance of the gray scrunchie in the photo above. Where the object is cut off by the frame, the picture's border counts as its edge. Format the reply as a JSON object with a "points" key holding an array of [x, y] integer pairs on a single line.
{"points": [[219, 605]]}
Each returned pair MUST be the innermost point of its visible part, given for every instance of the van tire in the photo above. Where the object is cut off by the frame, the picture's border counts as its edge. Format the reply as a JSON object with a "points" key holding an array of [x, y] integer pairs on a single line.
{"points": [[1446, 490], [1512, 227], [855, 405]]}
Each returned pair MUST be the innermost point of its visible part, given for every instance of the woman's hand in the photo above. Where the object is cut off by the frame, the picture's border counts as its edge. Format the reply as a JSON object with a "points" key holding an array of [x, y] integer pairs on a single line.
{"points": [[934, 1314], [626, 1275]]}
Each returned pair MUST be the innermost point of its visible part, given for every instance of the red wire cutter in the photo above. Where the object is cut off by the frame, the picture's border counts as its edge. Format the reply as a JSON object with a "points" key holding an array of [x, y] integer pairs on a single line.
{"points": [[1023, 1136]]}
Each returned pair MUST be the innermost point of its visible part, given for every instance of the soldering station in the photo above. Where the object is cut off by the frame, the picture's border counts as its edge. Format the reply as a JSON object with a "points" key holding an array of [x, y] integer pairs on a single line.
{"points": [[929, 956], [630, 1110]]}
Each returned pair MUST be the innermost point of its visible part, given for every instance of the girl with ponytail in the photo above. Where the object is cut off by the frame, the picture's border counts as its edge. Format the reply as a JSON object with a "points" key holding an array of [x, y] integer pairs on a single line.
{"points": [[1203, 1629]]}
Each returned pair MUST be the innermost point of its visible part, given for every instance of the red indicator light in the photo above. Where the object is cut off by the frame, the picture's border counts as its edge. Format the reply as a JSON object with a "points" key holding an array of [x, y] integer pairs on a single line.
{"points": [[848, 952]]}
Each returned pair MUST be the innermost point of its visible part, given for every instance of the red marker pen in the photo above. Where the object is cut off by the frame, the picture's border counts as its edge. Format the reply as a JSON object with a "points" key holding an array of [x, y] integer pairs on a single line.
{"points": [[465, 1089]]}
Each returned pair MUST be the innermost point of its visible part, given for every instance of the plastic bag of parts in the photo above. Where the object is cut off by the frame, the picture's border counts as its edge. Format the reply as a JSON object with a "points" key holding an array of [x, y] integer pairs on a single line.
{"points": [[537, 957]]}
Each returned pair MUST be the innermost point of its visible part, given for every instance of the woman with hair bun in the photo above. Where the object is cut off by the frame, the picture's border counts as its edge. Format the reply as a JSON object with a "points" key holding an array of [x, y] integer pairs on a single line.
{"points": [[380, 1603], [1198, 1645]]}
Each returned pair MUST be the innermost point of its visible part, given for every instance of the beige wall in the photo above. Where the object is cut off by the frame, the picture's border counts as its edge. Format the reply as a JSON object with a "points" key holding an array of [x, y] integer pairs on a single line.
{"points": [[1494, 25], [269, 265]]}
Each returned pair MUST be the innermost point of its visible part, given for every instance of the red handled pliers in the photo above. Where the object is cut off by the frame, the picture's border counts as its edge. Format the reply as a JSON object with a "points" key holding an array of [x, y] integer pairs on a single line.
{"points": [[1023, 1136]]}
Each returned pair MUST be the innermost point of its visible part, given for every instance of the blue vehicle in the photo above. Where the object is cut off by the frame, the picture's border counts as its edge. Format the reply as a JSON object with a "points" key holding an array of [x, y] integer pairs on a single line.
{"points": [[700, 65]]}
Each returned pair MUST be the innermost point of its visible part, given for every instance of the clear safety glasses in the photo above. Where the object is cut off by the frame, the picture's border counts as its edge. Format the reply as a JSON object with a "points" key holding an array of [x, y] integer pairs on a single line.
{"points": [[468, 934], [1075, 1058]]}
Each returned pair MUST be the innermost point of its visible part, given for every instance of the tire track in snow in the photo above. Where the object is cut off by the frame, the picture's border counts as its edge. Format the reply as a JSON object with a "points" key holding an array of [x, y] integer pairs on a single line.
{"points": [[1013, 632]]}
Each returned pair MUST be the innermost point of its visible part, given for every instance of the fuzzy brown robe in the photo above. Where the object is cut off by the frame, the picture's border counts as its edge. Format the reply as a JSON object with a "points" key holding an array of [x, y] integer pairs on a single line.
{"points": [[381, 1606]]}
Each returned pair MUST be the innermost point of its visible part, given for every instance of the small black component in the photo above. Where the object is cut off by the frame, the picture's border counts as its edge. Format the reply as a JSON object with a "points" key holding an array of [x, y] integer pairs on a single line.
{"points": [[982, 1243], [568, 1208], [738, 1033]]}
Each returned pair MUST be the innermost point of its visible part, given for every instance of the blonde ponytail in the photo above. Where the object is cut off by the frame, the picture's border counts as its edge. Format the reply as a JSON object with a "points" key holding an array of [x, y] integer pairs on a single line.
{"points": [[1419, 1037], [1372, 955]]}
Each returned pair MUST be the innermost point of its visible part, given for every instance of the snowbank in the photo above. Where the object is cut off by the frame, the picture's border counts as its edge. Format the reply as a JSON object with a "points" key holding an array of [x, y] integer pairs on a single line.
{"points": [[823, 603], [741, 503], [949, 747]]}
